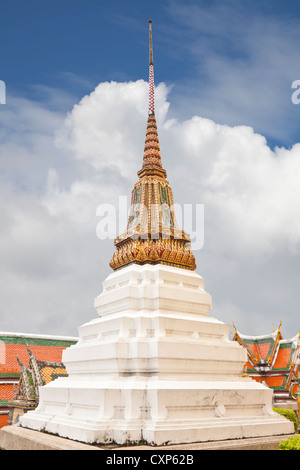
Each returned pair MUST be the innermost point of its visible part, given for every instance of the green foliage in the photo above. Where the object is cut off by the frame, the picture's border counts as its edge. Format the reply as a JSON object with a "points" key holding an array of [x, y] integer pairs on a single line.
{"points": [[293, 443], [288, 414]]}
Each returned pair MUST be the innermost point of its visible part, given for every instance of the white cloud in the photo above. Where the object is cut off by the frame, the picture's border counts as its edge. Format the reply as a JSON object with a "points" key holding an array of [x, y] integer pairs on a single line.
{"points": [[107, 127], [244, 60], [52, 263], [251, 193]]}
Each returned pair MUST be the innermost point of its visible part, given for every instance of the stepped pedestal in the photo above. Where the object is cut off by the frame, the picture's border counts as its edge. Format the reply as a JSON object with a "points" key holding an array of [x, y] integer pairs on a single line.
{"points": [[154, 367]]}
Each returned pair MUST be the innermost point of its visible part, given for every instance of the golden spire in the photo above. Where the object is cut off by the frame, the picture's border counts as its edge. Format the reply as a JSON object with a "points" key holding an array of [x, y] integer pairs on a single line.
{"points": [[152, 157], [151, 73], [153, 235]]}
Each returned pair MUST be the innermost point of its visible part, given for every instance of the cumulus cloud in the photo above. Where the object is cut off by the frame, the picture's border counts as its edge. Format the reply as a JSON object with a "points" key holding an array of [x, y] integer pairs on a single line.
{"points": [[107, 127], [242, 73], [252, 192], [247, 187], [60, 168]]}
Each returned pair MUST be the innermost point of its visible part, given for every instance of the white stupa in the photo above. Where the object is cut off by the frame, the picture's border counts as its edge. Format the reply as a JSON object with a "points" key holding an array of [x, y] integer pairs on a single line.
{"points": [[153, 366]]}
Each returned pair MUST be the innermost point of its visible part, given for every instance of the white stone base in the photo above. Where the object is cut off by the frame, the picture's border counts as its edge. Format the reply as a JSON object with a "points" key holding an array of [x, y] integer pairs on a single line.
{"points": [[157, 413], [155, 368]]}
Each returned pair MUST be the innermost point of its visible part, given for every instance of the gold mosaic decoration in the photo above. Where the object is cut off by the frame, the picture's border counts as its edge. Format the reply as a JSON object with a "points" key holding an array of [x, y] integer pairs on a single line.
{"points": [[152, 235]]}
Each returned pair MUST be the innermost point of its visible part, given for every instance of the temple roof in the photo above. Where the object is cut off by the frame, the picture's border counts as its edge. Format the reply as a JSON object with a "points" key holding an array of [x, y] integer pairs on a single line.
{"points": [[45, 347], [261, 349], [272, 359], [14, 355]]}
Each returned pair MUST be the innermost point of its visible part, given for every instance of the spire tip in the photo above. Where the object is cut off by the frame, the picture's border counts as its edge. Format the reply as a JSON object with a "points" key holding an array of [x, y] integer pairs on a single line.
{"points": [[151, 78], [150, 44]]}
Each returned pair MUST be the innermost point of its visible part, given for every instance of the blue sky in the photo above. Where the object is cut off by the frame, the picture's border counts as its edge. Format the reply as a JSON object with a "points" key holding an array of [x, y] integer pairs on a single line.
{"points": [[72, 136], [231, 61]]}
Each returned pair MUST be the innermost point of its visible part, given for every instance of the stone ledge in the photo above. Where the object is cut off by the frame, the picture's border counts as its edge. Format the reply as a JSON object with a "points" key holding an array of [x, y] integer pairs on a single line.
{"points": [[253, 443], [17, 438]]}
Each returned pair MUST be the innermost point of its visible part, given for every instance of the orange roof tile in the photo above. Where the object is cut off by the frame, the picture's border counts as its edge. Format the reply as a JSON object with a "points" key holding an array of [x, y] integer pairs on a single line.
{"points": [[283, 358], [43, 348], [3, 420], [275, 381], [6, 391], [44, 353]]}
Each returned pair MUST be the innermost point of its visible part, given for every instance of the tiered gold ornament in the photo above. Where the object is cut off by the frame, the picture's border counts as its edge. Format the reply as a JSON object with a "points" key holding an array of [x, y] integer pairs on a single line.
{"points": [[152, 235]]}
